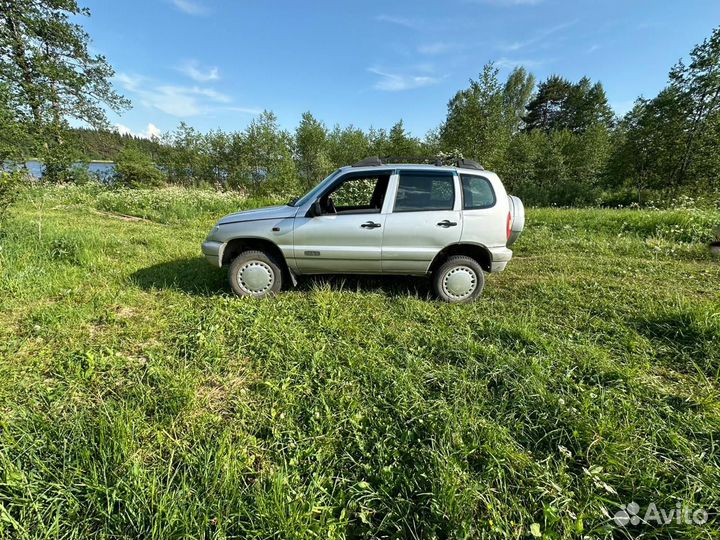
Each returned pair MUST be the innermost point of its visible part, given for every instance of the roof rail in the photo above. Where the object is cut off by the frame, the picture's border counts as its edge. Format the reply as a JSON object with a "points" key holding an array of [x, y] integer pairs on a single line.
{"points": [[375, 161], [468, 164]]}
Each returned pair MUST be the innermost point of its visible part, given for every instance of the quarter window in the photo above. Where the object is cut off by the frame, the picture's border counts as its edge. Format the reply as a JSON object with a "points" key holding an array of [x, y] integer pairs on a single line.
{"points": [[477, 192], [423, 191]]}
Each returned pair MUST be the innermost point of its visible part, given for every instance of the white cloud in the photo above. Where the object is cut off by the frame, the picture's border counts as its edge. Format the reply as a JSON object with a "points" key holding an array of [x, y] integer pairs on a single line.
{"points": [[129, 82], [244, 110], [151, 132], [509, 63], [438, 47], [540, 36], [399, 21], [175, 100], [191, 7], [180, 100], [192, 69], [593, 48], [123, 130], [396, 82]]}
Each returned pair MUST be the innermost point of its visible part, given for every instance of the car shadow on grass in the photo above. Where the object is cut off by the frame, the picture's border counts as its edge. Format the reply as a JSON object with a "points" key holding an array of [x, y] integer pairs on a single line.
{"points": [[195, 276], [390, 286], [192, 275]]}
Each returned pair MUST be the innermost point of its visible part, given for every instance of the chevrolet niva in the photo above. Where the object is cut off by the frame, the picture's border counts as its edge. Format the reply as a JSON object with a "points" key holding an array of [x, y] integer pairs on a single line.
{"points": [[451, 222]]}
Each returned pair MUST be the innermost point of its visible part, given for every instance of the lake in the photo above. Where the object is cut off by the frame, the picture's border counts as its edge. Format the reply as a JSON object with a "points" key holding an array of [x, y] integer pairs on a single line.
{"points": [[103, 169]]}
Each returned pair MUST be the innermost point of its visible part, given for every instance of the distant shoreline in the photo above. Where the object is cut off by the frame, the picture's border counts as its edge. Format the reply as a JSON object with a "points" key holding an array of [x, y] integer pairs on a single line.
{"points": [[36, 168]]}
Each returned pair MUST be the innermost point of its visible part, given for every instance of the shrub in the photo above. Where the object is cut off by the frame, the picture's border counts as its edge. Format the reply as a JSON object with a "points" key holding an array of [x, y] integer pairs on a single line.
{"points": [[134, 168], [77, 174], [10, 183]]}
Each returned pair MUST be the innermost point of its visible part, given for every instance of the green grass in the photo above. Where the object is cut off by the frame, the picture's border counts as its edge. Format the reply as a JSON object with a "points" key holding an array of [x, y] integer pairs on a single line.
{"points": [[138, 399]]}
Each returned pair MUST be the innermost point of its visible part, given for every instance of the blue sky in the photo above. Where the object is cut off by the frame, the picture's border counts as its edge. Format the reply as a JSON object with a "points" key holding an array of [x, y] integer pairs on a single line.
{"points": [[217, 63]]}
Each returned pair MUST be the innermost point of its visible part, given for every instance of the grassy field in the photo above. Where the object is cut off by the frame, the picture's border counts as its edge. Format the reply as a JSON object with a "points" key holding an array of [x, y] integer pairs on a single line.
{"points": [[138, 399]]}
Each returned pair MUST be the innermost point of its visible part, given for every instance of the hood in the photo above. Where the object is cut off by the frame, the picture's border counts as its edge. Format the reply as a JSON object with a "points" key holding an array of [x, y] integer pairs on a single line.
{"points": [[269, 212]]}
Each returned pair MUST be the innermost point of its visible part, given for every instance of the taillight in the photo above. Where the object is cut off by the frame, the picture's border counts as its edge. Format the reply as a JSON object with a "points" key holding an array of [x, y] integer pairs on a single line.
{"points": [[509, 225]]}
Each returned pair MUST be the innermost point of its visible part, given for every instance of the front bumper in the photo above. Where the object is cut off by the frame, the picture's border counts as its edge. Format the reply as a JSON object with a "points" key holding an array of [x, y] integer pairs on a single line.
{"points": [[213, 252]]}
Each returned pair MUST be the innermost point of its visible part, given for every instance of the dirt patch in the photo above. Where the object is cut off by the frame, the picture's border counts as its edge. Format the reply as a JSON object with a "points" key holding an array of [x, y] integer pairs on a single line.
{"points": [[124, 312], [122, 217], [216, 394]]}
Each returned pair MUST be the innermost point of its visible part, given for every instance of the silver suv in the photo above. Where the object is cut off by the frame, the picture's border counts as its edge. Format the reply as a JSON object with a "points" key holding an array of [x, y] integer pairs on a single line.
{"points": [[449, 222]]}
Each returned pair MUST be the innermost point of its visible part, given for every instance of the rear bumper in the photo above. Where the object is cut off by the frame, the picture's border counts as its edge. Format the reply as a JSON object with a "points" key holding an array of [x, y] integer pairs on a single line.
{"points": [[500, 258], [213, 252]]}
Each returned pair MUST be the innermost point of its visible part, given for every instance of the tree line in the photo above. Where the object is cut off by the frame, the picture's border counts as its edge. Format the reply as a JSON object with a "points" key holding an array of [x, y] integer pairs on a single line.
{"points": [[553, 142]]}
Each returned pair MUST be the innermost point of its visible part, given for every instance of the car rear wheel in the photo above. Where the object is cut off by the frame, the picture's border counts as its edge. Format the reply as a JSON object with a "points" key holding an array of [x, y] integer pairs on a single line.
{"points": [[459, 280], [255, 273]]}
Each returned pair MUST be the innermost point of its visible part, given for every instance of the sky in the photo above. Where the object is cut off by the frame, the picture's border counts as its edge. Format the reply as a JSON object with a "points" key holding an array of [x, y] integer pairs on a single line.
{"points": [[218, 63]]}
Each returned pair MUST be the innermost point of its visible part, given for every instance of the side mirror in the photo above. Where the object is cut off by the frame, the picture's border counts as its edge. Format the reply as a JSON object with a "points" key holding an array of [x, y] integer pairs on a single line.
{"points": [[316, 209]]}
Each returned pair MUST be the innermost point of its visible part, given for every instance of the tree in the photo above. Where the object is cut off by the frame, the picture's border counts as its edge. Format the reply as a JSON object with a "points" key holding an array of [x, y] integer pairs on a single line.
{"points": [[267, 164], [546, 108], [698, 93], [516, 94], [134, 168], [647, 144], [400, 144], [311, 150], [45, 62], [16, 142], [560, 104], [585, 107], [671, 140], [184, 157], [476, 122], [347, 145]]}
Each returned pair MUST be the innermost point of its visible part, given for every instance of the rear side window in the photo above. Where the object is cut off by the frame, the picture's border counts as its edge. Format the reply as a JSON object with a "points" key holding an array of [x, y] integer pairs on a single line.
{"points": [[421, 191], [477, 192]]}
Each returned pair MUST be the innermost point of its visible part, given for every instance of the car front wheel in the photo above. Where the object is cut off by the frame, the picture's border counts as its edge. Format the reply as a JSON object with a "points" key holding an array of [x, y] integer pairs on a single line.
{"points": [[255, 273], [458, 280]]}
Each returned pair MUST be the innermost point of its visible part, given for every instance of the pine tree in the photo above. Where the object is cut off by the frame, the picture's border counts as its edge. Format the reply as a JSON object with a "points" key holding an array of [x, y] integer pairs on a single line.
{"points": [[546, 109]]}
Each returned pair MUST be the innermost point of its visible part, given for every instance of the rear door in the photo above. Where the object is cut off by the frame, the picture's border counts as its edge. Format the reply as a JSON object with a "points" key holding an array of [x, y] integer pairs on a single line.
{"points": [[425, 218]]}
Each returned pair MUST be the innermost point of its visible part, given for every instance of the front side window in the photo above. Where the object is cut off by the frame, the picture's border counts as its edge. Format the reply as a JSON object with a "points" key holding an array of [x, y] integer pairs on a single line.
{"points": [[420, 191], [356, 194], [313, 193], [477, 192]]}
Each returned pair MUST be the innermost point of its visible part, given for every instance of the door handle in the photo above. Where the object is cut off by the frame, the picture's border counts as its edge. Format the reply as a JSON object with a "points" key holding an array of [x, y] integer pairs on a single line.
{"points": [[447, 223], [370, 225]]}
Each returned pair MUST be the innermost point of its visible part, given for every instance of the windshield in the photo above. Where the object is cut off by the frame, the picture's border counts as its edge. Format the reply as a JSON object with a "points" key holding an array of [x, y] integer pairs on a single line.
{"points": [[314, 191]]}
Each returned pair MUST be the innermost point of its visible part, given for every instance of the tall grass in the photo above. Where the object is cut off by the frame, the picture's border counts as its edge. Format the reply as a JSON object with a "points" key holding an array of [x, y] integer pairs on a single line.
{"points": [[138, 399]]}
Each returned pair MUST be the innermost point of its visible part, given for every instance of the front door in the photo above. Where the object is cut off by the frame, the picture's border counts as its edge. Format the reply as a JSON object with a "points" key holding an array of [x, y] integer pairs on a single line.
{"points": [[425, 218], [347, 236]]}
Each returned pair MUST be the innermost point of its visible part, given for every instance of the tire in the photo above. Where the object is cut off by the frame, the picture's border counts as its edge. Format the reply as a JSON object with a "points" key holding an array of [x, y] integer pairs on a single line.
{"points": [[467, 284], [255, 273]]}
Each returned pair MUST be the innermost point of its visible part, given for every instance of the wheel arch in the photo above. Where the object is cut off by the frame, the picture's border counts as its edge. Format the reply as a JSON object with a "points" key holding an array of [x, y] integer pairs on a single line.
{"points": [[478, 252], [237, 245]]}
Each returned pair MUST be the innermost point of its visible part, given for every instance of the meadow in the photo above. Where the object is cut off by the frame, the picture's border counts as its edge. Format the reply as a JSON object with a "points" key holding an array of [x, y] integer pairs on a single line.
{"points": [[139, 399]]}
